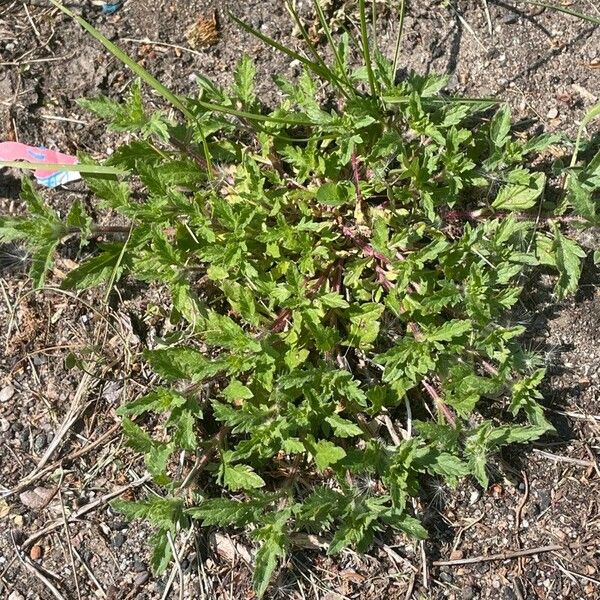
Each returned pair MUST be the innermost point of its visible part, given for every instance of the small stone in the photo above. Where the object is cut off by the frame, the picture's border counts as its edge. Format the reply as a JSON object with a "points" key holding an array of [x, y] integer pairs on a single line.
{"points": [[141, 578], [7, 393], [508, 594], [4, 425], [18, 520], [456, 554], [15, 595], [118, 540], [553, 113], [37, 498], [40, 442], [474, 496], [510, 18], [468, 593], [36, 552], [445, 577], [138, 566]]}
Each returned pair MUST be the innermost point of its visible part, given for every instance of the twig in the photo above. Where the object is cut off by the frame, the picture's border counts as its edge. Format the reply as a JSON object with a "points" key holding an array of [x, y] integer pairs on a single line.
{"points": [[84, 510], [34, 571], [177, 569], [68, 537], [91, 575], [153, 43], [75, 411], [573, 574], [34, 476], [577, 415], [203, 459], [518, 514], [565, 459], [501, 556], [177, 558], [411, 587]]}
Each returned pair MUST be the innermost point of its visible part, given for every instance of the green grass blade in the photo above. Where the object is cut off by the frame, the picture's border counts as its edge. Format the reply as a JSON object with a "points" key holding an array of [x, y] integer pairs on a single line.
{"points": [[144, 75], [329, 36], [325, 73], [567, 11], [313, 50], [251, 116], [78, 168], [365, 48], [156, 85], [440, 100], [399, 36], [591, 114]]}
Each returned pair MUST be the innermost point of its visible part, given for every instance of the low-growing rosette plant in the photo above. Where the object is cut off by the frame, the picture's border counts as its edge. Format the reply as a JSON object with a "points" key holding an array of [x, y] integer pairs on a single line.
{"points": [[342, 273]]}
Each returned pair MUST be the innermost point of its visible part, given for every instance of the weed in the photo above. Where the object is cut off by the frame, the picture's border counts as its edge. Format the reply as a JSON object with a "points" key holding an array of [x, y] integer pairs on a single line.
{"points": [[331, 270]]}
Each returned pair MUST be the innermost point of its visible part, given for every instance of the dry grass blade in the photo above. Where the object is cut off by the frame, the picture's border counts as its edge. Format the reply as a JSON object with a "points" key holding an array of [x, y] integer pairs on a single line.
{"points": [[86, 508], [29, 566]]}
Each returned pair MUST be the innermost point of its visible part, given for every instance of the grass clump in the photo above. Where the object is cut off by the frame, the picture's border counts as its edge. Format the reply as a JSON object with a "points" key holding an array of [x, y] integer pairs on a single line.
{"points": [[341, 272]]}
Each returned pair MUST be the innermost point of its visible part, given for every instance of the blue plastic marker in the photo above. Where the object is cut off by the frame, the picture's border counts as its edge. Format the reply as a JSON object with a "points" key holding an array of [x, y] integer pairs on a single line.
{"points": [[109, 8]]}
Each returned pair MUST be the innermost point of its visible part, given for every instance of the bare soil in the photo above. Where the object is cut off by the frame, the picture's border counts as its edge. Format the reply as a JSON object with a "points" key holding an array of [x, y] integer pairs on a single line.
{"points": [[61, 454]]}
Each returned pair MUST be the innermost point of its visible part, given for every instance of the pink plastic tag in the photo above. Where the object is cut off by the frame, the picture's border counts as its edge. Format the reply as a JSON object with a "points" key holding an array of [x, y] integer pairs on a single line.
{"points": [[18, 151]]}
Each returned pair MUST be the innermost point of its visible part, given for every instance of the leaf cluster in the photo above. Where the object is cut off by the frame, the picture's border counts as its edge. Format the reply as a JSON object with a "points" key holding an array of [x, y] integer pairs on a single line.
{"points": [[339, 269]]}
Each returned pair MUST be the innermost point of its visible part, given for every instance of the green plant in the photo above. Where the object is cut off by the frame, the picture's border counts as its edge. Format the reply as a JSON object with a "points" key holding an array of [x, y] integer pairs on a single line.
{"points": [[342, 273]]}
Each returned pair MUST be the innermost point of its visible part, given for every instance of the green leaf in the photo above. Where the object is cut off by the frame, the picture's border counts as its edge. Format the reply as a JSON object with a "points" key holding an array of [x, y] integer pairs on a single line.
{"points": [[243, 77], [79, 219], [98, 269], [325, 453], [223, 512], [113, 193], [333, 300], [449, 330], [521, 192], [568, 262], [236, 390], [161, 552], [158, 400], [42, 259], [500, 126], [35, 203], [240, 477], [165, 513], [342, 427], [136, 437], [183, 363], [274, 543], [101, 106], [335, 194]]}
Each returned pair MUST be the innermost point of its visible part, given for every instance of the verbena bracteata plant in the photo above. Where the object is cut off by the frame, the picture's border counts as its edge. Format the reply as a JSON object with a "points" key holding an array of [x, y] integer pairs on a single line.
{"points": [[342, 274]]}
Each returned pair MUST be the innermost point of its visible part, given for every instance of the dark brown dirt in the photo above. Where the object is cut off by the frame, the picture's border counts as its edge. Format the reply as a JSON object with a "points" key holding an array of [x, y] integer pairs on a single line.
{"points": [[544, 63]]}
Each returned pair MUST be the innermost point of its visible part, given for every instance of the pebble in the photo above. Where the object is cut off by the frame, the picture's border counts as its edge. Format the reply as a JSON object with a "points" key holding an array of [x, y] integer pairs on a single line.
{"points": [[510, 18], [468, 593], [36, 552], [508, 594], [4, 425], [445, 577], [118, 540], [138, 565], [15, 595], [24, 437], [6, 393], [39, 442], [553, 113], [118, 525], [141, 578]]}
